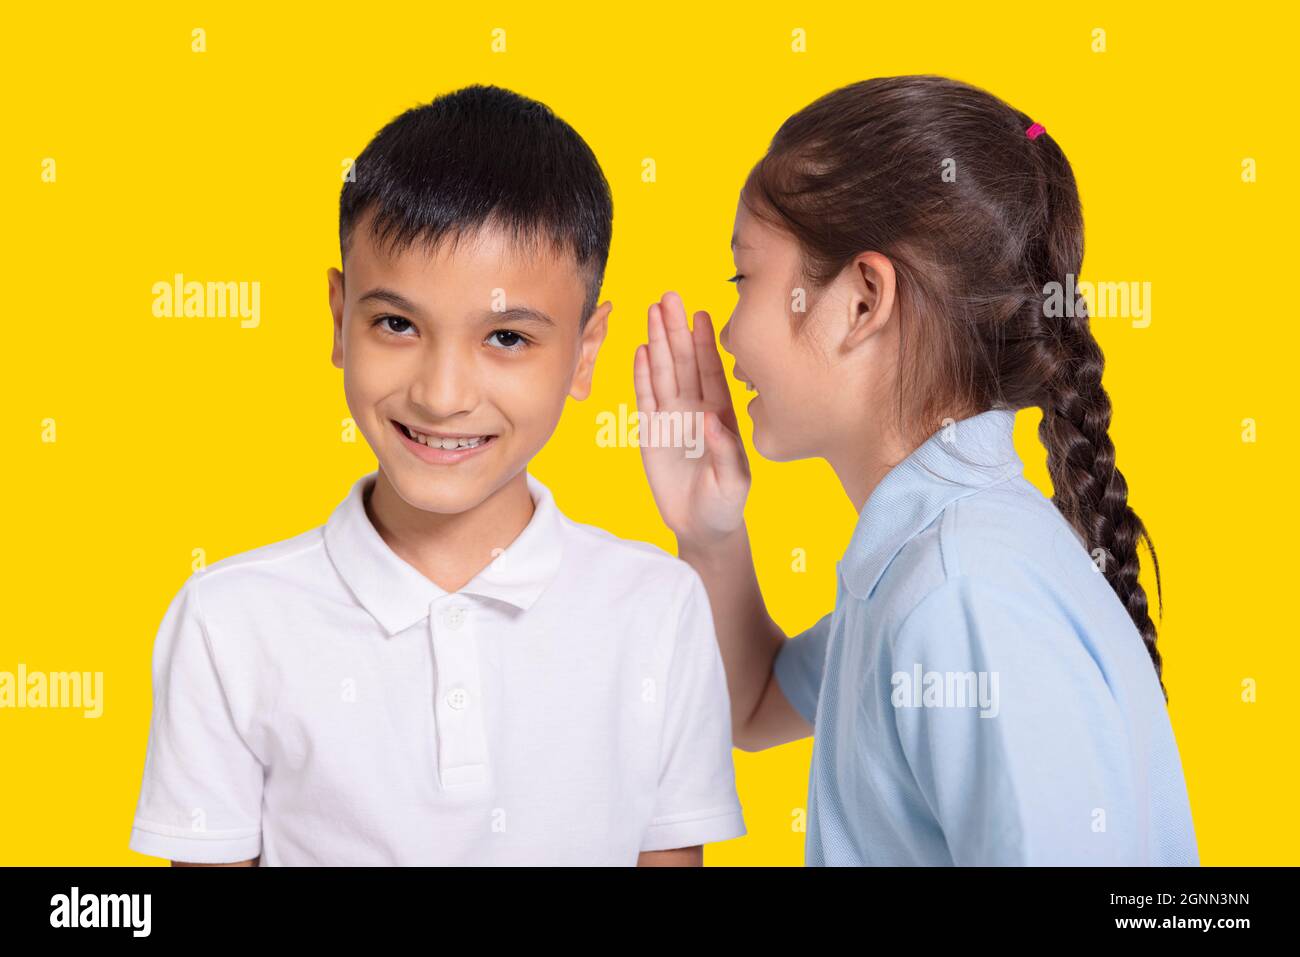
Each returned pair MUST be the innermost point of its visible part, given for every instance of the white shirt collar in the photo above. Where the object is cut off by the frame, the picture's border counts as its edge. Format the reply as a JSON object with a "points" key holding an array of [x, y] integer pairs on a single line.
{"points": [[399, 596]]}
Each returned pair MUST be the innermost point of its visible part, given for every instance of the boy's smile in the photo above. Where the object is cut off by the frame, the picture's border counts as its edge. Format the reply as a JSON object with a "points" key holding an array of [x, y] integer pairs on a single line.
{"points": [[441, 446], [457, 361]]}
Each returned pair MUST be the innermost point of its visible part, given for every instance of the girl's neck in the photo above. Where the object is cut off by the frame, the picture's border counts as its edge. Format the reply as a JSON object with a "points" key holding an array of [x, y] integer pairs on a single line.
{"points": [[863, 463]]}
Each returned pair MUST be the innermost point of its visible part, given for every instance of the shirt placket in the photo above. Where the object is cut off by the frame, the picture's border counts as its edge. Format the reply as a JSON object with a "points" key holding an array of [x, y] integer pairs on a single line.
{"points": [[458, 693]]}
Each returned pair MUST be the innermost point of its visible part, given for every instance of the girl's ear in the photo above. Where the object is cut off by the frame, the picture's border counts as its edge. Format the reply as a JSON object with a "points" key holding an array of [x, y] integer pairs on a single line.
{"points": [[872, 295]]}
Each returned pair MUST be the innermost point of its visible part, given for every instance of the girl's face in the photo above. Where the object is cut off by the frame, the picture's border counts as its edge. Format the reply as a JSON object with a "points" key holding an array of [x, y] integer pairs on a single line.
{"points": [[804, 395]]}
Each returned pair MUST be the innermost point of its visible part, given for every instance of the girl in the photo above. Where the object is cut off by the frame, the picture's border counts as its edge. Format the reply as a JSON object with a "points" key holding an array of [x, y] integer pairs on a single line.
{"points": [[987, 689]]}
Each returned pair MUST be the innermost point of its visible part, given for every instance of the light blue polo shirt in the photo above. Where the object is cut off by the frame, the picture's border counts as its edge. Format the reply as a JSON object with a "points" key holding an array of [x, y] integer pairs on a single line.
{"points": [[979, 695]]}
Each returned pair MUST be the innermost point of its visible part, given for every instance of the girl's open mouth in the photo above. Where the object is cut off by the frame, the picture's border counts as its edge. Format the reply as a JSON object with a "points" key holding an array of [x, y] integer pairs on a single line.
{"points": [[441, 448]]}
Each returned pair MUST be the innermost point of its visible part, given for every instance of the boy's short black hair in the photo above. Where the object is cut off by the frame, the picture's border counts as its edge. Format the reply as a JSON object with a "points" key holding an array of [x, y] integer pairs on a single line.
{"points": [[483, 155]]}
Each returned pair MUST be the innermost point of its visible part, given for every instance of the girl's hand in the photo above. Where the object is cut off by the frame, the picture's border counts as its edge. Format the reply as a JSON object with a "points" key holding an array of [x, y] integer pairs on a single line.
{"points": [[702, 499]]}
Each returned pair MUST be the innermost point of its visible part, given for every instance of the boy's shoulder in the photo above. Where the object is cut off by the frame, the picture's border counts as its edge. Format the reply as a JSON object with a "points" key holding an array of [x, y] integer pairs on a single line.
{"points": [[263, 570], [598, 551]]}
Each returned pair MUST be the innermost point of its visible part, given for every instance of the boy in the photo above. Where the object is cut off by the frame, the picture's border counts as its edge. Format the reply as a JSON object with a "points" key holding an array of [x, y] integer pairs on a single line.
{"points": [[449, 671]]}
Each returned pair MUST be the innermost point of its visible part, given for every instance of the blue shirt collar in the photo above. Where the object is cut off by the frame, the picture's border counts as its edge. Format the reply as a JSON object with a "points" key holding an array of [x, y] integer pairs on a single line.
{"points": [[961, 458]]}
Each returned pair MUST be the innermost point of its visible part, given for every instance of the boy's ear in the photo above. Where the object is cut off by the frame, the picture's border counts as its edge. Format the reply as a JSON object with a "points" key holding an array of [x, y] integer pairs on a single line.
{"points": [[872, 295], [593, 334], [336, 309]]}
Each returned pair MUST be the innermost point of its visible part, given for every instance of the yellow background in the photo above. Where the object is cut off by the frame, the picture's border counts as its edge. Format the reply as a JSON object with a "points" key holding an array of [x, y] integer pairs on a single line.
{"points": [[175, 434]]}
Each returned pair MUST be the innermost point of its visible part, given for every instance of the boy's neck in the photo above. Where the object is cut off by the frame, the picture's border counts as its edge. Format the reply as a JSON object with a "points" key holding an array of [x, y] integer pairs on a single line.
{"points": [[450, 550]]}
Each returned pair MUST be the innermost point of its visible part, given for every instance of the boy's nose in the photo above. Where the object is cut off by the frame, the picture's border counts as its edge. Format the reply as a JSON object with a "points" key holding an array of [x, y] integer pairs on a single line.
{"points": [[447, 384]]}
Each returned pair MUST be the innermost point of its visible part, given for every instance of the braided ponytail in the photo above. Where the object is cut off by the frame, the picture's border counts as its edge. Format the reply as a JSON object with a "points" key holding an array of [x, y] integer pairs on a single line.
{"points": [[1088, 488]]}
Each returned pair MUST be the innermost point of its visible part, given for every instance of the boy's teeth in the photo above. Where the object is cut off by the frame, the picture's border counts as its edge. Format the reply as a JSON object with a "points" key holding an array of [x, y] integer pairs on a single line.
{"points": [[433, 442]]}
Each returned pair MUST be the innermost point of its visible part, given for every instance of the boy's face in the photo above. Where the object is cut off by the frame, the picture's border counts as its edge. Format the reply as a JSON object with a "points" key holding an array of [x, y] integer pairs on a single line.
{"points": [[475, 347]]}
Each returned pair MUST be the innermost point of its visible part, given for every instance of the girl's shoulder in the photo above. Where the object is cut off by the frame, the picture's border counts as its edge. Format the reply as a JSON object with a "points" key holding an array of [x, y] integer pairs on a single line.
{"points": [[999, 582], [1006, 532], [1007, 541]]}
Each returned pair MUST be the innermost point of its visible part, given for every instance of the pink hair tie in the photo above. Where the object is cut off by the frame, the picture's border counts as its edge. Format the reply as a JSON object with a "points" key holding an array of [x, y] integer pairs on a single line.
{"points": [[1035, 131]]}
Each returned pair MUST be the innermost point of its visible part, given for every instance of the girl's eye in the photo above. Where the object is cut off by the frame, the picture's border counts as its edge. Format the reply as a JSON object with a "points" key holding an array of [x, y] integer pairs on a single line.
{"points": [[395, 329], [508, 340], [736, 278]]}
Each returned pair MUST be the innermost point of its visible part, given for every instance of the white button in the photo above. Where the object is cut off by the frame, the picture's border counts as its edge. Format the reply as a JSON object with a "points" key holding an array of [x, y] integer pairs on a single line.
{"points": [[453, 618], [457, 698]]}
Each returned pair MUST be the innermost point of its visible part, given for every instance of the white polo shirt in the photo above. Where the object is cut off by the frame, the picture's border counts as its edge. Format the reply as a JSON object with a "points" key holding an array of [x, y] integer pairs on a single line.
{"points": [[319, 701]]}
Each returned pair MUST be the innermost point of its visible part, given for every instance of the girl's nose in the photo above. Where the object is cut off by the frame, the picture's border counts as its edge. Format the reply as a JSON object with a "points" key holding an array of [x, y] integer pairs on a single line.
{"points": [[722, 336]]}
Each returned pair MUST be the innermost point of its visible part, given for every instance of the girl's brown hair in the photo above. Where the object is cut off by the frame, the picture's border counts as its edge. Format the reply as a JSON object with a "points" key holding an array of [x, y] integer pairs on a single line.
{"points": [[980, 221]]}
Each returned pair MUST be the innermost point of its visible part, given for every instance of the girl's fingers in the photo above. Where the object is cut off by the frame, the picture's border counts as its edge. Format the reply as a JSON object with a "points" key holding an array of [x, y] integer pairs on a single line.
{"points": [[713, 378], [645, 393], [683, 348], [662, 378], [727, 454]]}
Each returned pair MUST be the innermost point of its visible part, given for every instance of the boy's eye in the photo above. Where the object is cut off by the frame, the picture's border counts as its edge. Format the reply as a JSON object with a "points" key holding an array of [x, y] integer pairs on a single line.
{"points": [[508, 340], [395, 324], [736, 278]]}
